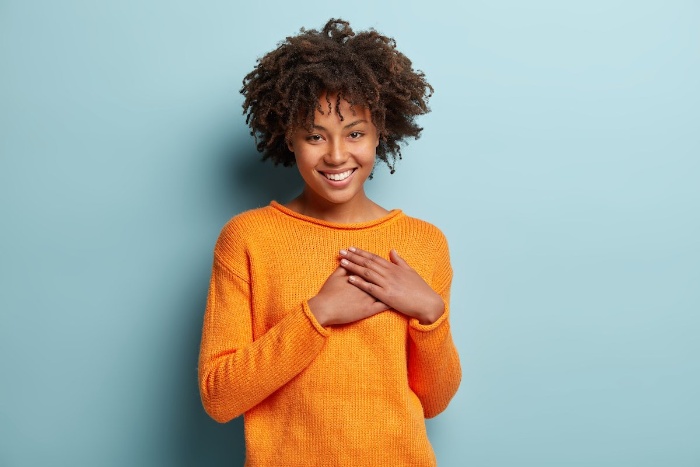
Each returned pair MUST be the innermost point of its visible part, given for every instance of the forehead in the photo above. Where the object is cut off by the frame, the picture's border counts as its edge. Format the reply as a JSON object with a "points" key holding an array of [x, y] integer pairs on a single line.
{"points": [[339, 108], [329, 109]]}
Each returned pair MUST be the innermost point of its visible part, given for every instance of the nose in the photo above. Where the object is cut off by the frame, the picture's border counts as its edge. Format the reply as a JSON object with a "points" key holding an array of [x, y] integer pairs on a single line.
{"points": [[337, 153]]}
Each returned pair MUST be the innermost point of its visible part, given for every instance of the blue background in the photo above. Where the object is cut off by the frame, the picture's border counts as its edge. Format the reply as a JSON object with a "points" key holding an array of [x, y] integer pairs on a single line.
{"points": [[561, 159]]}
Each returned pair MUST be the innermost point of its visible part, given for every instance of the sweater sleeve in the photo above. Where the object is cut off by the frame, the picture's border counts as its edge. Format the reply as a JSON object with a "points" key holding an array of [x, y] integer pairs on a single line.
{"points": [[237, 372], [434, 371]]}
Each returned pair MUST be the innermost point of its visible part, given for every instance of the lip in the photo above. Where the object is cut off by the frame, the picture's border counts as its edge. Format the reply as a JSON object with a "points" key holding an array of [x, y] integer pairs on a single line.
{"points": [[338, 183]]}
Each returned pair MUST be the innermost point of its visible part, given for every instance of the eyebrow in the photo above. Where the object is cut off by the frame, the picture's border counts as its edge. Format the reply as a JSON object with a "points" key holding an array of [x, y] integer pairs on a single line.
{"points": [[349, 125]]}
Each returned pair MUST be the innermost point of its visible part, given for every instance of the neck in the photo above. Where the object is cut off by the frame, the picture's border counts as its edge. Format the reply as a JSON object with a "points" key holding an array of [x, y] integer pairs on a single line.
{"points": [[361, 209]]}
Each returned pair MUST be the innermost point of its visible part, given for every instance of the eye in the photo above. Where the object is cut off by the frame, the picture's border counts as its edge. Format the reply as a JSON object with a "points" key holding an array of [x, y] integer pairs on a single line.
{"points": [[355, 134], [314, 138]]}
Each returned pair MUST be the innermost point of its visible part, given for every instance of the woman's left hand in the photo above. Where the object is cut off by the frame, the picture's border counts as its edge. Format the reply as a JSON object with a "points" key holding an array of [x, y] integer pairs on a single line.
{"points": [[393, 283]]}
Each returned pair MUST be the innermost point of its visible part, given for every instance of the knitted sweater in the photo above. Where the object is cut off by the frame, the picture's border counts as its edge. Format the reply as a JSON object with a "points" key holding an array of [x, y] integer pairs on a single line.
{"points": [[351, 395]]}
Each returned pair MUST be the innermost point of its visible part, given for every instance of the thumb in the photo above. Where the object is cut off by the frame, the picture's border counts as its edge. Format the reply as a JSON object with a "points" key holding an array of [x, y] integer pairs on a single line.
{"points": [[378, 307], [396, 259], [339, 271]]}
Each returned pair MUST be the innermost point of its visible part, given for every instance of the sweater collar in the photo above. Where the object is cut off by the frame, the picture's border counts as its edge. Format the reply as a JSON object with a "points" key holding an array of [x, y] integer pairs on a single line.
{"points": [[391, 215]]}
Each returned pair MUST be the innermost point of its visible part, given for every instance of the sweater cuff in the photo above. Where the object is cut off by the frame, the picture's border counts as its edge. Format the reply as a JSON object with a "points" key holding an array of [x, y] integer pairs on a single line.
{"points": [[415, 324], [307, 311]]}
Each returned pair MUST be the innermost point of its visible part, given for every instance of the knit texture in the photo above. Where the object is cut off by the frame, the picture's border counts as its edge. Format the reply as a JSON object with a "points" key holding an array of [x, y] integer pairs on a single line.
{"points": [[352, 395]]}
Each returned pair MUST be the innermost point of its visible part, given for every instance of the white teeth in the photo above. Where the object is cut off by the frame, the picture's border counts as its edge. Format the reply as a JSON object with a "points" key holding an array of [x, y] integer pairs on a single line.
{"points": [[338, 177]]}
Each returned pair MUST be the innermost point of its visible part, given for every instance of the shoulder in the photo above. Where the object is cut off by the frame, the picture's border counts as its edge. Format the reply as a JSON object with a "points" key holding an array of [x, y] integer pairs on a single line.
{"points": [[426, 250], [425, 239], [249, 221], [422, 230], [238, 233]]}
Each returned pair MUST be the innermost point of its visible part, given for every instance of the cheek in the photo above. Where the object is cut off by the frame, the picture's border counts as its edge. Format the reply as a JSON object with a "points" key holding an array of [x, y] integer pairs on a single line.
{"points": [[304, 162], [372, 149]]}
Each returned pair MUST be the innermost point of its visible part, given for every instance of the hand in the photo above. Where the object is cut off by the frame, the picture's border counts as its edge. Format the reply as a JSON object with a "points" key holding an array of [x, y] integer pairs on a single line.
{"points": [[394, 283], [340, 302]]}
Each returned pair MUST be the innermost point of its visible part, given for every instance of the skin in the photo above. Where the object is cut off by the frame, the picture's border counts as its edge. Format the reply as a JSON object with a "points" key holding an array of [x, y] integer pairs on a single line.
{"points": [[335, 146], [364, 284]]}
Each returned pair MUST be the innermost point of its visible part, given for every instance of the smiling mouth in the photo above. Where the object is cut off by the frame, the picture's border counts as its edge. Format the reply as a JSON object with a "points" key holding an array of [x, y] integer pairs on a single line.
{"points": [[339, 177]]}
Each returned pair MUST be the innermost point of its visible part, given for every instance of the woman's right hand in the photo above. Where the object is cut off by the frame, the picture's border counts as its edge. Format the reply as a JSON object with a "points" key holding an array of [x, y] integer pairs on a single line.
{"points": [[340, 302]]}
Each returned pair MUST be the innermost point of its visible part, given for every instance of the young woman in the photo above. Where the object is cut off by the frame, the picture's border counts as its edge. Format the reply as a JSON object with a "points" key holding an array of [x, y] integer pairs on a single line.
{"points": [[327, 317]]}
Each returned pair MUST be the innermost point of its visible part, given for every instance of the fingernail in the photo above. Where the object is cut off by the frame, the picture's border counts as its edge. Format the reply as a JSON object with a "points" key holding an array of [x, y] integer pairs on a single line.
{"points": [[352, 248], [344, 262], [343, 252], [351, 278]]}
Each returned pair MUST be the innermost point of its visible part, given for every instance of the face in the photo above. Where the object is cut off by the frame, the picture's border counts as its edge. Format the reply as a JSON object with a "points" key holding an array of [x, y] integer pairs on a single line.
{"points": [[336, 157]]}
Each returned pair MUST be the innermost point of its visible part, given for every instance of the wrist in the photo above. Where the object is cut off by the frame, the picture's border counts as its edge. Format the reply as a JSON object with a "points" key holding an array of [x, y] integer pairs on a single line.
{"points": [[432, 313], [318, 310]]}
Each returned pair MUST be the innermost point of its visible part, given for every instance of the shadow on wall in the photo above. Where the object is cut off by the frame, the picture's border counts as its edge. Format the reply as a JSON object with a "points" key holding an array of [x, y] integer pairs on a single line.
{"points": [[244, 182], [258, 182], [201, 441]]}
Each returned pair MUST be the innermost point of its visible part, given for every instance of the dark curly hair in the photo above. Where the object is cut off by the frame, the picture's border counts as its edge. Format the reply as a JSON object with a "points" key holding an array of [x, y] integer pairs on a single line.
{"points": [[282, 92]]}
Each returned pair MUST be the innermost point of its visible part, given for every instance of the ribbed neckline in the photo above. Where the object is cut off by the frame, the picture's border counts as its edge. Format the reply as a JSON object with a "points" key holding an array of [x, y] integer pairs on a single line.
{"points": [[391, 215]]}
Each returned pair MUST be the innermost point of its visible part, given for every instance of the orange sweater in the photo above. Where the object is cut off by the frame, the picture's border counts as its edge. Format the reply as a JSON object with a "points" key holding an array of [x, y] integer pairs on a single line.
{"points": [[353, 395]]}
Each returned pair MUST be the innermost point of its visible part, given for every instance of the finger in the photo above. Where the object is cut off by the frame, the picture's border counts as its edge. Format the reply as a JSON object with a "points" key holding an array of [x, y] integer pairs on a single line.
{"points": [[368, 287], [370, 274], [361, 252], [396, 259], [365, 259]]}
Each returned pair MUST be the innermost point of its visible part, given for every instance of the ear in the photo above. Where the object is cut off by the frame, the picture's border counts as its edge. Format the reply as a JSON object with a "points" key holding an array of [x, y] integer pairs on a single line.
{"points": [[290, 146]]}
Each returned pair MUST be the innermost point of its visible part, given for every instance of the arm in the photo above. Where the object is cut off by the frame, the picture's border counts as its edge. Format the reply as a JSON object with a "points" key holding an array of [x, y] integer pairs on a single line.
{"points": [[434, 371], [235, 372]]}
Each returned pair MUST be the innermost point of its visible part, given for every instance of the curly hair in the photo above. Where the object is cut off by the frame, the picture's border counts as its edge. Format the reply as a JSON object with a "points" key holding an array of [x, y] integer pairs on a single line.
{"points": [[283, 90]]}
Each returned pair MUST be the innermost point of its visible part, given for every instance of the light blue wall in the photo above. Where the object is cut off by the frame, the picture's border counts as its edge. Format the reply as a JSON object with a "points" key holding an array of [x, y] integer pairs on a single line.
{"points": [[562, 160]]}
